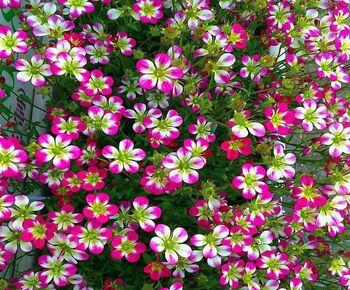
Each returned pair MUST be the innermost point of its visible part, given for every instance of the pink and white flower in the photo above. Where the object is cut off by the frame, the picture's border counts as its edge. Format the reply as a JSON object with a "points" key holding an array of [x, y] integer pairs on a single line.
{"points": [[57, 149], [211, 241], [127, 246], [183, 166], [159, 73], [12, 156], [276, 264], [55, 270], [35, 71], [98, 207], [124, 157], [172, 243], [93, 236], [12, 42], [311, 115], [145, 214], [161, 128], [77, 8], [102, 120], [250, 182], [338, 139], [148, 11], [97, 83], [279, 119], [281, 164], [242, 126]]}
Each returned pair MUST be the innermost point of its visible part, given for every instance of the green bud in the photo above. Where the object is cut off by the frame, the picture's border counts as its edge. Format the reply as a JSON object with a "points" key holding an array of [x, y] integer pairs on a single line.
{"points": [[138, 54]]}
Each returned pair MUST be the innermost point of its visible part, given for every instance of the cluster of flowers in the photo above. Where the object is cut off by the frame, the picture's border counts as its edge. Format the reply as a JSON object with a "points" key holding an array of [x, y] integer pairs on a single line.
{"points": [[195, 105]]}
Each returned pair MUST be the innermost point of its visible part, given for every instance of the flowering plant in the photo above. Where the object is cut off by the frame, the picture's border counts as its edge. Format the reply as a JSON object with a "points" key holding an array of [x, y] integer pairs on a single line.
{"points": [[187, 144]]}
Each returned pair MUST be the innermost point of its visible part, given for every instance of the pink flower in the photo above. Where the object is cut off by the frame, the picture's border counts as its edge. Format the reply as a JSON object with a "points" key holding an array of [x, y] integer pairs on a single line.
{"points": [[165, 127], [35, 71], [65, 219], [128, 247], [125, 157], [148, 11], [145, 214], [171, 243], [250, 182], [57, 149], [338, 139], [202, 129], [276, 264], [211, 242], [11, 158], [279, 119], [67, 64], [93, 236], [236, 146], [5, 257], [280, 164], [10, 4], [159, 74], [37, 231], [102, 120], [93, 178], [231, 273], [71, 126], [97, 83], [183, 166], [311, 115], [252, 67], [6, 201], [242, 126], [98, 207], [56, 270], [12, 42], [238, 36], [78, 8]]}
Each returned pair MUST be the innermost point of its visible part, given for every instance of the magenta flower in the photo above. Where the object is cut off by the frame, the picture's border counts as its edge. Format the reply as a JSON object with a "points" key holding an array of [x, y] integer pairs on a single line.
{"points": [[5, 257], [260, 245], [93, 178], [35, 71], [252, 67], [57, 149], [196, 12], [102, 120], [128, 247], [231, 273], [242, 126], [250, 182], [6, 201], [125, 157], [171, 243], [97, 83], [29, 280], [279, 119], [276, 264], [281, 164], [148, 11], [10, 4], [159, 74], [338, 139], [56, 25], [211, 242], [12, 42], [202, 129], [93, 236], [183, 166], [145, 214], [66, 64], [71, 126], [55, 269], [98, 207], [37, 231], [311, 115], [78, 8], [165, 127], [139, 114], [238, 36], [11, 158], [65, 219], [221, 67]]}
